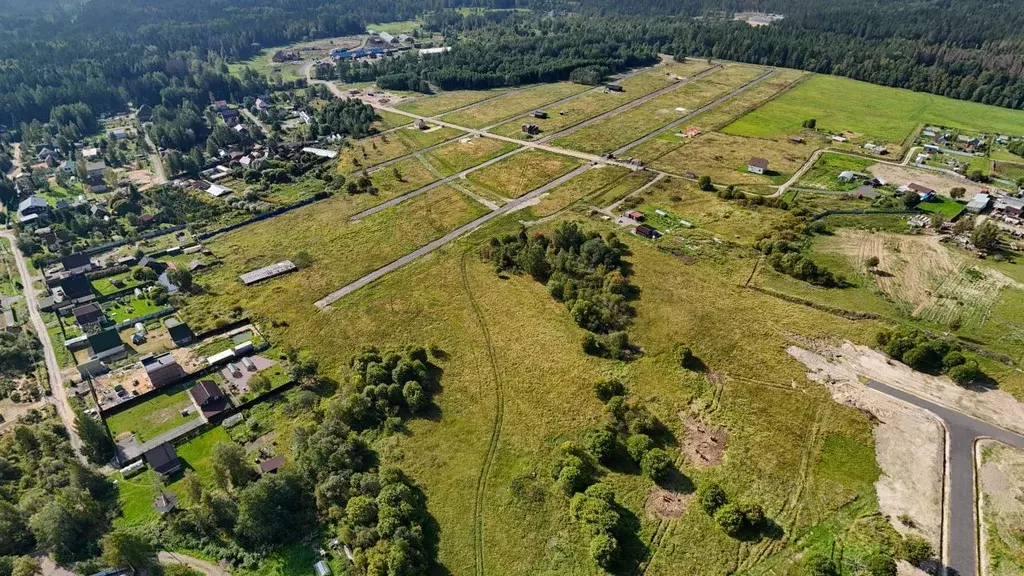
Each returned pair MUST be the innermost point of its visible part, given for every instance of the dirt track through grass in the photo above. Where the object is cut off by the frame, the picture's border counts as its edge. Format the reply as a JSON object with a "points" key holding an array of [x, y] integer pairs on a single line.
{"points": [[499, 414]]}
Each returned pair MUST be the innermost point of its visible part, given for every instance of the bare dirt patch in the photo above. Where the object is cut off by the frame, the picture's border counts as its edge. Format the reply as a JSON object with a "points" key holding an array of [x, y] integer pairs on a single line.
{"points": [[1001, 479], [933, 281], [909, 447], [938, 181], [666, 504], [849, 361], [703, 445]]}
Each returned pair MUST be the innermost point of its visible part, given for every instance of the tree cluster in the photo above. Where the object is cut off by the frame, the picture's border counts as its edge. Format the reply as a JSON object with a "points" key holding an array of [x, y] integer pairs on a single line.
{"points": [[737, 519], [582, 270], [784, 251], [19, 354], [388, 386], [929, 354]]}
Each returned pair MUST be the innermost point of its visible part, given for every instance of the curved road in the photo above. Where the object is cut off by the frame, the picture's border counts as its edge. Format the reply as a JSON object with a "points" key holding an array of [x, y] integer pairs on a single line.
{"points": [[60, 396], [960, 521]]}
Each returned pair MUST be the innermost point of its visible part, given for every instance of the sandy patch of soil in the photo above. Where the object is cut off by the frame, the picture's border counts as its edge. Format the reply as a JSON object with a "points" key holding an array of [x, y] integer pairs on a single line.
{"points": [[909, 446], [848, 360], [941, 183], [662, 503], [1001, 480], [703, 445]]}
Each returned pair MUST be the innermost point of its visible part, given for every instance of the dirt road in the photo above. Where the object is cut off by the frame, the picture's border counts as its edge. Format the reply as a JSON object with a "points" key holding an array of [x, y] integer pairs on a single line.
{"points": [[208, 568], [154, 159], [60, 397]]}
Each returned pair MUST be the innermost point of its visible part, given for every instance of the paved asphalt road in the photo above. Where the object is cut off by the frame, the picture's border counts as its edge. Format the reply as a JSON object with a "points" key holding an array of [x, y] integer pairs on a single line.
{"points": [[960, 519]]}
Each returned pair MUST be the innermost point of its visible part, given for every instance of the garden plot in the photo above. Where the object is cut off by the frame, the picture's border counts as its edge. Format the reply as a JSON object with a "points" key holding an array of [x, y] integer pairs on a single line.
{"points": [[931, 281]]}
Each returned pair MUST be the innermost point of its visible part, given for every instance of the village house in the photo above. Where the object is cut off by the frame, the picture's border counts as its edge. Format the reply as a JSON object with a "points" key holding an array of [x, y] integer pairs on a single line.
{"points": [[757, 165], [979, 203], [647, 231], [924, 193], [208, 398], [179, 331], [32, 205], [88, 316], [162, 370], [163, 459], [1010, 206]]}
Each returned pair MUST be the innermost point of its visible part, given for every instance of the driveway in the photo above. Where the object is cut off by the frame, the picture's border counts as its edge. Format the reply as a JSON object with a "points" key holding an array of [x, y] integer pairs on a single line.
{"points": [[961, 556]]}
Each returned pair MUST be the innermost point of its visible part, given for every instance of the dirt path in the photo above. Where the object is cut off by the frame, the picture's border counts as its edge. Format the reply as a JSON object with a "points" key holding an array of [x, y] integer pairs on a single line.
{"points": [[208, 568], [154, 159], [499, 416], [60, 396], [15, 170]]}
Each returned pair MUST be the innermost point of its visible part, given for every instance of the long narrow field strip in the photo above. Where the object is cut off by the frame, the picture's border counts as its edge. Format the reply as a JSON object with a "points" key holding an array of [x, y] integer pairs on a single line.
{"points": [[401, 177], [611, 133], [724, 158], [600, 101], [340, 251], [447, 101], [877, 112], [465, 153], [632, 182], [390, 120], [513, 104], [369, 152], [589, 183], [717, 117], [523, 172]]}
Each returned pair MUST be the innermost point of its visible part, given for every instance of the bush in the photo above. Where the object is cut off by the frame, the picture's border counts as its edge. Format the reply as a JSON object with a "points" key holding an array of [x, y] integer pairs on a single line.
{"points": [[705, 184], [605, 389], [916, 550], [600, 443], [753, 515], [965, 373], [820, 565], [637, 445], [711, 497], [604, 549], [880, 565], [730, 518], [684, 356], [655, 464]]}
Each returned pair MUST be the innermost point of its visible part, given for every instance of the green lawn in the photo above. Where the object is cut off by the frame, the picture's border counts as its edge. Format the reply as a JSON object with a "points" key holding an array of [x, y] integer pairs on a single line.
{"points": [[128, 308], [369, 152], [160, 413], [105, 285], [823, 175], [878, 112], [942, 205]]}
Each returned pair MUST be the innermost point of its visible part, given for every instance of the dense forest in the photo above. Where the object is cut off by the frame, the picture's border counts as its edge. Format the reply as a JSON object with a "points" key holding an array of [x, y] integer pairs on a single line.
{"points": [[162, 53]]}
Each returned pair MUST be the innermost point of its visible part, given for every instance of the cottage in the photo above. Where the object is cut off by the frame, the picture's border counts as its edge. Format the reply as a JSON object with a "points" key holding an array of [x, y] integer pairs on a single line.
{"points": [[979, 203], [32, 205], [635, 215], [179, 331], [163, 459], [88, 315], [262, 104], [757, 165], [90, 153], [144, 113], [95, 168], [162, 370], [75, 286], [531, 129], [118, 133], [196, 265], [647, 231], [924, 193], [106, 345], [613, 87], [208, 398]]}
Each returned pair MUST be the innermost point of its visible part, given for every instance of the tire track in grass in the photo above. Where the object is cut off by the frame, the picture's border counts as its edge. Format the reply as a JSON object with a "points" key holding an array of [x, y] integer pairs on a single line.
{"points": [[499, 414]]}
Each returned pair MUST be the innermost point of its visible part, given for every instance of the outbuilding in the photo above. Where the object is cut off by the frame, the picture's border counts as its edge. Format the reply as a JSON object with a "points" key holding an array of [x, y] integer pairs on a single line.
{"points": [[757, 165]]}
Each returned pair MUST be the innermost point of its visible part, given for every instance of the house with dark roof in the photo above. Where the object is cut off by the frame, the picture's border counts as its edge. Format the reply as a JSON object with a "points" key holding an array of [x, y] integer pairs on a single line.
{"points": [[153, 264], [179, 331], [162, 370], [144, 113], [208, 398], [89, 315], [647, 231], [107, 345], [76, 263], [924, 193], [76, 286], [163, 459]]}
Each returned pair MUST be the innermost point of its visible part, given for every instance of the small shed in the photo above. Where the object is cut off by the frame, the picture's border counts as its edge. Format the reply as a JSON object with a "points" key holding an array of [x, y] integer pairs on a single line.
{"points": [[540, 114], [613, 87], [647, 231], [635, 215], [421, 124], [322, 569]]}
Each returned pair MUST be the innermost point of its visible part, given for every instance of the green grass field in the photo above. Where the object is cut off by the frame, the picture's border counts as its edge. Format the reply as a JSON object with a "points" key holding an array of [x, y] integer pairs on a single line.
{"points": [[513, 104], [596, 102], [948, 207], [824, 174], [611, 133], [466, 153], [447, 101], [105, 285], [590, 183], [522, 172], [888, 114], [132, 308], [369, 152], [159, 414]]}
